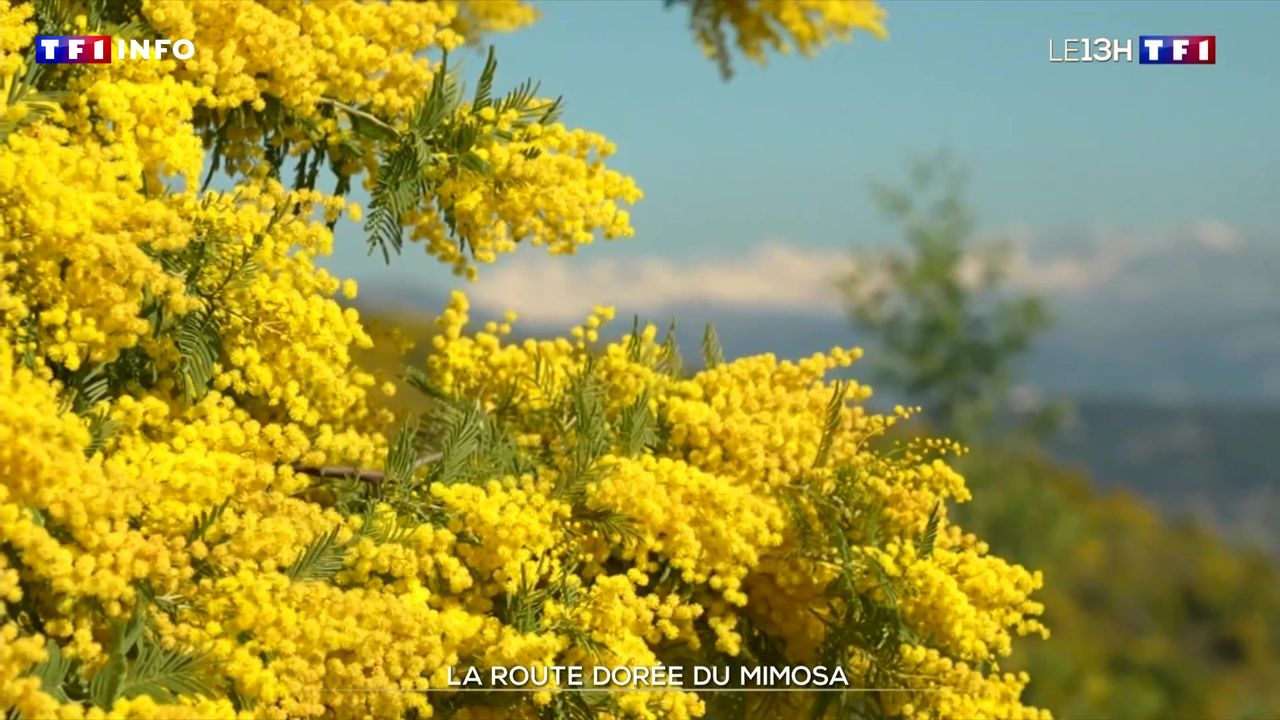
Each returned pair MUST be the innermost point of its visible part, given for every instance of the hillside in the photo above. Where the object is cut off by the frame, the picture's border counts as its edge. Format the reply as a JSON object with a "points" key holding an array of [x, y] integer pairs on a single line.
{"points": [[1212, 462]]}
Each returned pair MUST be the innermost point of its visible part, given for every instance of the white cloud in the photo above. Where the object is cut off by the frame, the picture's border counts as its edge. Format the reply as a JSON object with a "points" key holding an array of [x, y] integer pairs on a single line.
{"points": [[1097, 262], [772, 275], [1216, 235], [781, 277], [1108, 256]]}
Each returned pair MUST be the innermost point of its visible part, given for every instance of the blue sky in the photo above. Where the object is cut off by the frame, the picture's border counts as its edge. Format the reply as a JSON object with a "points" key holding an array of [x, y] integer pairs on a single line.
{"points": [[786, 151], [1124, 184]]}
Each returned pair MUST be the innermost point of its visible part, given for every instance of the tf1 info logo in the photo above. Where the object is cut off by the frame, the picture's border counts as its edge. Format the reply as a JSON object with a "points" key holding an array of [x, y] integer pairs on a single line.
{"points": [[1151, 50], [98, 49]]}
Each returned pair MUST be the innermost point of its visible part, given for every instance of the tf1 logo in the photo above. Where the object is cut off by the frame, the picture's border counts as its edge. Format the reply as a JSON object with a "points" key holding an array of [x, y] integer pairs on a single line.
{"points": [[98, 49], [1151, 50]]}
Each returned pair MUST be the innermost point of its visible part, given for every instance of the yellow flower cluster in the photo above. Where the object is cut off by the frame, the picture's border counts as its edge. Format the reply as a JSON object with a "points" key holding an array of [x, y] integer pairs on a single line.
{"points": [[15, 34], [781, 25], [474, 18], [310, 71], [966, 691], [193, 463], [523, 195], [709, 506], [300, 53], [711, 546]]}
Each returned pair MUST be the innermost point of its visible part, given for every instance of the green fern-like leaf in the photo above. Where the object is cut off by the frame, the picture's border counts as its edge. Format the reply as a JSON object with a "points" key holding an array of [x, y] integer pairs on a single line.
{"points": [[37, 106], [580, 638], [583, 425], [368, 126], [707, 19], [101, 429], [544, 376], [925, 547], [669, 361], [586, 413], [801, 518], [28, 91], [170, 605], [384, 526], [484, 87], [402, 454], [605, 523], [463, 432], [89, 385], [320, 560], [522, 100], [206, 520], [398, 189], [831, 424], [53, 671], [165, 674], [418, 380], [475, 163], [551, 112], [401, 182], [519, 98], [522, 609], [127, 633], [104, 687], [199, 348], [637, 428], [239, 699], [712, 353], [440, 103], [634, 348], [886, 582]]}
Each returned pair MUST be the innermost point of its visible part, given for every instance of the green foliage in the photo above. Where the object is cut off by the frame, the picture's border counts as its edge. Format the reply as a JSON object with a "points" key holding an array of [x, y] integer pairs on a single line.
{"points": [[199, 347], [580, 706], [669, 360], [948, 333], [402, 455], [138, 665], [707, 19], [831, 424], [200, 531], [712, 353], [164, 674], [25, 92], [582, 419], [637, 427], [206, 520], [925, 547], [321, 559], [101, 430], [467, 441], [53, 671], [86, 387], [1150, 618]]}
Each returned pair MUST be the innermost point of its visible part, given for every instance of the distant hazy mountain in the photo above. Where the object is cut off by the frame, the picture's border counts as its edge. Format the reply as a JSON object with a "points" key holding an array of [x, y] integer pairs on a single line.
{"points": [[1213, 462]]}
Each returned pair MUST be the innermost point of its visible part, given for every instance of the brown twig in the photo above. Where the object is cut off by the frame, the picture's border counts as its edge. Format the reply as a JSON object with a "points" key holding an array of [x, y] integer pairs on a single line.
{"points": [[374, 477]]}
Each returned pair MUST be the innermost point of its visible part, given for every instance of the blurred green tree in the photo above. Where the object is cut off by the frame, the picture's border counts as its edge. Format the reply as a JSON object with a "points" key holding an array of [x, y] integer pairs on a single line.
{"points": [[949, 332]]}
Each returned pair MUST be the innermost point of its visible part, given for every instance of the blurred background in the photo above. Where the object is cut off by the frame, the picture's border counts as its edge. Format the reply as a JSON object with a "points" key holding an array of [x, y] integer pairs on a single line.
{"points": [[1075, 268]]}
